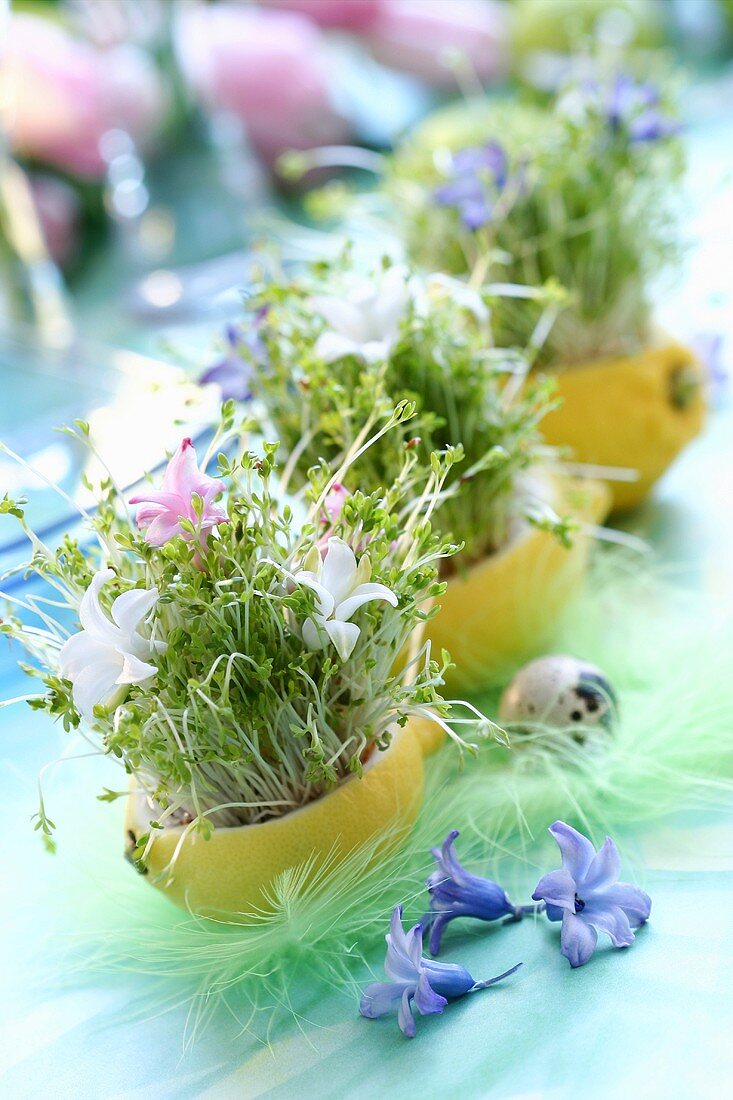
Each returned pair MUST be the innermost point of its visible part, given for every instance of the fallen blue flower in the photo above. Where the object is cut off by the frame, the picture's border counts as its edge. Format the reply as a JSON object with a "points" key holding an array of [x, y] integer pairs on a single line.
{"points": [[455, 892], [416, 980], [587, 896]]}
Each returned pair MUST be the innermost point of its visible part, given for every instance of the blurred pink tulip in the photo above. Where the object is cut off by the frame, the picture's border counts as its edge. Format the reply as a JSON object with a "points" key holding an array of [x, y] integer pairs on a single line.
{"points": [[354, 15], [268, 68], [58, 209], [418, 36], [64, 94]]}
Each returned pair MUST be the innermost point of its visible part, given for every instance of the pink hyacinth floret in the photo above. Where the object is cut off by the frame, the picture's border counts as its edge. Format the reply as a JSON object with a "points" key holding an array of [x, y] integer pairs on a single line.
{"points": [[336, 497], [162, 511]]}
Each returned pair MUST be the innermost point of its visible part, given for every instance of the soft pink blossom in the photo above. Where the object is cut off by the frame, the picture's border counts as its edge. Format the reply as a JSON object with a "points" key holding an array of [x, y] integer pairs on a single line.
{"points": [[418, 35], [268, 68], [59, 211], [333, 505], [64, 94], [336, 497], [165, 508], [354, 15]]}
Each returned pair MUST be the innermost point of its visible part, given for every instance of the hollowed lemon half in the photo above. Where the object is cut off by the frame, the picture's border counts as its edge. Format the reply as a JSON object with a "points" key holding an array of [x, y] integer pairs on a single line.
{"points": [[233, 871], [504, 609], [636, 411]]}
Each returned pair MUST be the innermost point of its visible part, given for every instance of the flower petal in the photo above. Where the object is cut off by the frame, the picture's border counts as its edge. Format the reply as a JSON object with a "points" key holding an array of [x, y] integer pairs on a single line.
{"points": [[343, 635], [343, 317], [131, 607], [413, 945], [233, 376], [461, 294], [163, 528], [330, 346], [325, 599], [391, 302], [404, 950], [375, 351], [159, 498], [557, 889], [79, 651], [612, 920], [404, 1015], [91, 615], [183, 476], [636, 904], [438, 922], [427, 1001], [379, 998], [182, 470], [448, 860], [339, 568], [361, 595], [603, 871], [578, 939], [96, 684], [135, 671], [577, 851], [147, 514], [212, 513], [314, 635]]}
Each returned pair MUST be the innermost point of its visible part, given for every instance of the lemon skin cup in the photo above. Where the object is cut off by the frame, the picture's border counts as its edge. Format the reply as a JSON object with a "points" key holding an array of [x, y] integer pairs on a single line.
{"points": [[503, 610], [232, 872], [636, 411]]}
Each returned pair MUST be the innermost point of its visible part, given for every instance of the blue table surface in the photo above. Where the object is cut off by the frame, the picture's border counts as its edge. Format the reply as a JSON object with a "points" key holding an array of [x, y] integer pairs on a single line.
{"points": [[653, 1022]]}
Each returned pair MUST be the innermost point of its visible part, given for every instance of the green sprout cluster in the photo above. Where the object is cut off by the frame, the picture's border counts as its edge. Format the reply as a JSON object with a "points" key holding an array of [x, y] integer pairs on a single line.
{"points": [[586, 205], [470, 395], [243, 722]]}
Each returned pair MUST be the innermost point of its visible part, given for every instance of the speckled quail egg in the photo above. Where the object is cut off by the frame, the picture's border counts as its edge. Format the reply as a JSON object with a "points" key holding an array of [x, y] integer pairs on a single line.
{"points": [[559, 691]]}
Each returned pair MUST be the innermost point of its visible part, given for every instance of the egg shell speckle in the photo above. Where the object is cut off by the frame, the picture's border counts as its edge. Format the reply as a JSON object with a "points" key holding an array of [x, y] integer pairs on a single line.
{"points": [[560, 691]]}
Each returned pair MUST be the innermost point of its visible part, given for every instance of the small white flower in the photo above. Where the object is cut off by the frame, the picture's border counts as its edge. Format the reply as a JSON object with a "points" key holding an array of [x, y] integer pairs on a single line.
{"points": [[365, 321], [439, 287], [341, 588], [109, 652]]}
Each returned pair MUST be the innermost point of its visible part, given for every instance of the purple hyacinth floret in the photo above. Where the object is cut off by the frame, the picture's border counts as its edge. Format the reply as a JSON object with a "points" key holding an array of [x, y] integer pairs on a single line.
{"points": [[652, 125], [587, 897], [416, 981], [632, 107], [233, 372], [479, 174], [627, 97], [455, 892]]}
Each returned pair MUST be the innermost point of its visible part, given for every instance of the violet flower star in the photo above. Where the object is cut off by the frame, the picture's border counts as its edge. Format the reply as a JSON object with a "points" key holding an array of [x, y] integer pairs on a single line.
{"points": [[478, 175], [587, 896], [632, 107], [233, 372], [454, 892], [416, 980], [165, 508]]}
